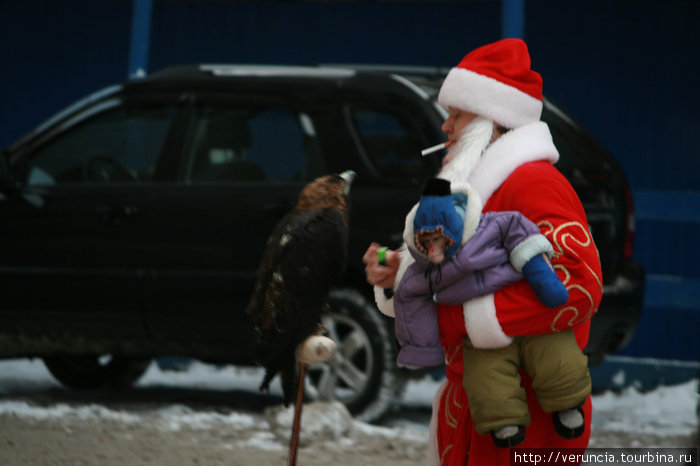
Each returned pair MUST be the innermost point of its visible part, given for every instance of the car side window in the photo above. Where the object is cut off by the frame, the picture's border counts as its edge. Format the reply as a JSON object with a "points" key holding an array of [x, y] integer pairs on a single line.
{"points": [[107, 144], [247, 143], [390, 142]]}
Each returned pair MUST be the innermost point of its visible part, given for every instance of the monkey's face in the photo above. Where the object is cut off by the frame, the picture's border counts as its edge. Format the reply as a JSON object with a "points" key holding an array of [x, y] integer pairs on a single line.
{"points": [[435, 243]]}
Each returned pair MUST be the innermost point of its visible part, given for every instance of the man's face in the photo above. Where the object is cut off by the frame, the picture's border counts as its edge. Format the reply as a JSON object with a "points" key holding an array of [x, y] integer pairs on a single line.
{"points": [[455, 123]]}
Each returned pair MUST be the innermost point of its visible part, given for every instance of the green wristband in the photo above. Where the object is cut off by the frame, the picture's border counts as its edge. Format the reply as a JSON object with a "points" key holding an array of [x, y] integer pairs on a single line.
{"points": [[381, 255]]}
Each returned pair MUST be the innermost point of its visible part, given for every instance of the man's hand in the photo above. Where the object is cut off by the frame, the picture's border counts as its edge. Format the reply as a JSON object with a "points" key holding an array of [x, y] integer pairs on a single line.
{"points": [[381, 275]]}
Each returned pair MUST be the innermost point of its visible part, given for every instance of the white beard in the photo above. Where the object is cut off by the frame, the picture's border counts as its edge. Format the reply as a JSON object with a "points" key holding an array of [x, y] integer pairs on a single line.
{"points": [[459, 163]]}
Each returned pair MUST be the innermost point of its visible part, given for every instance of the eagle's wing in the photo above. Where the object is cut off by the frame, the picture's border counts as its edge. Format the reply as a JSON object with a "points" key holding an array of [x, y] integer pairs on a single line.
{"points": [[304, 257]]}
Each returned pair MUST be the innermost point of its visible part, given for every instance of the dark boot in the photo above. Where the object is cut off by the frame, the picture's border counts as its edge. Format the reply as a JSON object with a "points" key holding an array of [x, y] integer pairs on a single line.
{"points": [[508, 436], [569, 423]]}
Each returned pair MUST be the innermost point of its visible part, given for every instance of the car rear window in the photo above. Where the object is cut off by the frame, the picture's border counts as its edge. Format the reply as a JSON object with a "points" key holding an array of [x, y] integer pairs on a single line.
{"points": [[390, 142], [246, 143]]}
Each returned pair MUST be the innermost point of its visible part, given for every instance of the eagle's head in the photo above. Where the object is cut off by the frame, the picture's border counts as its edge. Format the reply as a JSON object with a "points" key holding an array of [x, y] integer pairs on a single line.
{"points": [[327, 191]]}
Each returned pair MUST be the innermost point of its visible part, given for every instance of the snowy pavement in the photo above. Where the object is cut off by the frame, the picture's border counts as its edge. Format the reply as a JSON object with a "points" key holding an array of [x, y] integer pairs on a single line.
{"points": [[664, 417]]}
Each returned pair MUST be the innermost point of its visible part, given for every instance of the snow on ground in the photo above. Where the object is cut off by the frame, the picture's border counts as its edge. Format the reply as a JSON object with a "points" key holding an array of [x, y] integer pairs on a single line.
{"points": [[664, 412], [28, 376]]}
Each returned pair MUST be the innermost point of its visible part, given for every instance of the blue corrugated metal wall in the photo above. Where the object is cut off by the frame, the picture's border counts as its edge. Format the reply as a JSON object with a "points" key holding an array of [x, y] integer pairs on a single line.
{"points": [[53, 52], [318, 32], [626, 69]]}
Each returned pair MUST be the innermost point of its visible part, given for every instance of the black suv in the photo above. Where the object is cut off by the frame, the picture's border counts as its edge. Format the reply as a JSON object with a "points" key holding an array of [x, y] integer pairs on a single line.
{"points": [[133, 222]]}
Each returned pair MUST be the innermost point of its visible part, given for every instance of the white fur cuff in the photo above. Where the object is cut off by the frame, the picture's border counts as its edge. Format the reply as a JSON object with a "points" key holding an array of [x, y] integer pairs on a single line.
{"points": [[482, 324], [529, 248], [384, 304]]}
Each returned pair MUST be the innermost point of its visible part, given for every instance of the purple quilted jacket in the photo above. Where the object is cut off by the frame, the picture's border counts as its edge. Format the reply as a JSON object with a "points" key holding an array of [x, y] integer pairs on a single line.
{"points": [[480, 267]]}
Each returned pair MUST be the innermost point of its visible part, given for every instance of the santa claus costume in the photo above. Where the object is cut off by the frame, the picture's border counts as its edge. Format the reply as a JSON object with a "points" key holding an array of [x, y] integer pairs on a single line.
{"points": [[515, 172]]}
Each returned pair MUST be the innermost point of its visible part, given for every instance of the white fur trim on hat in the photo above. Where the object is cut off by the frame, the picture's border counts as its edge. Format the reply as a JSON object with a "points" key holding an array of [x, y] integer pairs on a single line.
{"points": [[482, 324], [528, 248], [476, 93]]}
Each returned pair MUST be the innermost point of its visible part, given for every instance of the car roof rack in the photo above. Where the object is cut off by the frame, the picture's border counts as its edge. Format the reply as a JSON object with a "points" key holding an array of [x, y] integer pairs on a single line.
{"points": [[428, 71]]}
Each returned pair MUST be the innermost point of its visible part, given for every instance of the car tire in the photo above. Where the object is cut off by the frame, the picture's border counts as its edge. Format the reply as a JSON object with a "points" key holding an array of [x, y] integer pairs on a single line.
{"points": [[88, 372], [362, 374]]}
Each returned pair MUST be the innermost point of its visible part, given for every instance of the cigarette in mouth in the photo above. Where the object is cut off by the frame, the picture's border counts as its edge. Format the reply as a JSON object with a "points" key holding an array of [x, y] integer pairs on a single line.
{"points": [[436, 148]]}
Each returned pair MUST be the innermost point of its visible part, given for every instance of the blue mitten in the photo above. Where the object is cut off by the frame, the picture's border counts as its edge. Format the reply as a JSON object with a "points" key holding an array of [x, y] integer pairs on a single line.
{"points": [[549, 289]]}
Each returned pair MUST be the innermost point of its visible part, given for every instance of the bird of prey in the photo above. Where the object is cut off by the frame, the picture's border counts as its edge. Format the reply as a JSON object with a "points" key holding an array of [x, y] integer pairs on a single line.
{"points": [[304, 257]]}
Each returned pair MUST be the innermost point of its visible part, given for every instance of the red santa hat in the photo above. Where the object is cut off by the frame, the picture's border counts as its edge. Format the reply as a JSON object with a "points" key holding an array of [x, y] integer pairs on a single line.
{"points": [[495, 81]]}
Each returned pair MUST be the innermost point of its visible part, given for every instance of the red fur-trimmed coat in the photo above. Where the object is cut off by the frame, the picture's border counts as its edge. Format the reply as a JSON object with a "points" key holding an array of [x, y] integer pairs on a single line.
{"points": [[516, 173]]}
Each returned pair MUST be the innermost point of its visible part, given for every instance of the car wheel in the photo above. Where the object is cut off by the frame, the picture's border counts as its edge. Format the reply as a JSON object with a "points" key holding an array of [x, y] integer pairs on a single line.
{"points": [[86, 372], [362, 374]]}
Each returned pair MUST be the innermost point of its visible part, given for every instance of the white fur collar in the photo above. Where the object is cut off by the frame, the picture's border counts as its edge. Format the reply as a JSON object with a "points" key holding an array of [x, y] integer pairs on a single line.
{"points": [[527, 143]]}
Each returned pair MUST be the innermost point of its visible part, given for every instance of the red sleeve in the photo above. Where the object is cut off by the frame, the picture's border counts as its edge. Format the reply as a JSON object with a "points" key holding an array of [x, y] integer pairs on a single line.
{"points": [[544, 196]]}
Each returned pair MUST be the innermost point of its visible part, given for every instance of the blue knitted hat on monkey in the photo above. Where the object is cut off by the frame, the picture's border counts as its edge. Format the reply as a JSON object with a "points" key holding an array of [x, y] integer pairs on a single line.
{"points": [[440, 210]]}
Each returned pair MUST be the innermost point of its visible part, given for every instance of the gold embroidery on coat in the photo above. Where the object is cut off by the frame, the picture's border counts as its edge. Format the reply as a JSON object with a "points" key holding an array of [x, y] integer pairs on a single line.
{"points": [[567, 275], [561, 238], [444, 452], [600, 285], [453, 353], [455, 399], [570, 323], [449, 418]]}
